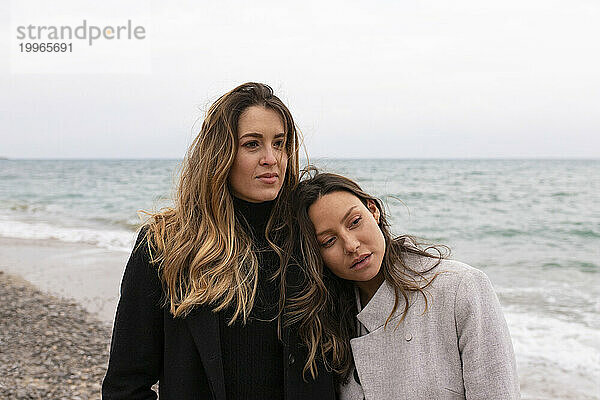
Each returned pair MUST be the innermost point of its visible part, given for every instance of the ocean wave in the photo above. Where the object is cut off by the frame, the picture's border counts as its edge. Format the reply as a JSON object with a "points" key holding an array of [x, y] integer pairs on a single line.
{"points": [[563, 194], [119, 240], [580, 265], [128, 224], [26, 207], [37, 211], [586, 233], [32, 208], [507, 232], [560, 345]]}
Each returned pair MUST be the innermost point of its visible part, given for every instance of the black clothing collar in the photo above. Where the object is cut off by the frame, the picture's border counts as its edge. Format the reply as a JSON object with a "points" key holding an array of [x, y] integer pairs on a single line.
{"points": [[253, 215]]}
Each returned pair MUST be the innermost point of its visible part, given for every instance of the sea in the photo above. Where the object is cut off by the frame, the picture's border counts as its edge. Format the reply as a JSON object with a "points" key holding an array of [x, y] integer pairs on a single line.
{"points": [[533, 226]]}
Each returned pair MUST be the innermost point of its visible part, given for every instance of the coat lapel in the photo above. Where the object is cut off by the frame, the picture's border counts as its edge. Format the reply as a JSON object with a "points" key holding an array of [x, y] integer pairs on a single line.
{"points": [[369, 351], [377, 354], [204, 326], [379, 307]]}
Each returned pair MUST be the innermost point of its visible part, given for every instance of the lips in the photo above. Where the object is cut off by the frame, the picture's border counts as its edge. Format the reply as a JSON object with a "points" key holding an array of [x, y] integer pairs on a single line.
{"points": [[360, 260], [268, 175], [268, 178]]}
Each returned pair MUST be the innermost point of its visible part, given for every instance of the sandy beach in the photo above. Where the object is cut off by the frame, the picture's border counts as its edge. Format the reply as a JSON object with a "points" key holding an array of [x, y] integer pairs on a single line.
{"points": [[87, 274], [57, 305], [51, 348]]}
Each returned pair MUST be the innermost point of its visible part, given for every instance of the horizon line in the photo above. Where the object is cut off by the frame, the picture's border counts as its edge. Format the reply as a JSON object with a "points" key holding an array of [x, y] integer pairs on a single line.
{"points": [[566, 158]]}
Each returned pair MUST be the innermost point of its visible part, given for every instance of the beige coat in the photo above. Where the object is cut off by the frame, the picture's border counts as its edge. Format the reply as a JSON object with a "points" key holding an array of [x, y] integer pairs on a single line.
{"points": [[459, 348]]}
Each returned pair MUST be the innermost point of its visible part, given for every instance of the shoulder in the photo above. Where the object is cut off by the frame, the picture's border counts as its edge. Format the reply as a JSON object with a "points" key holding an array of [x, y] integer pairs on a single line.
{"points": [[459, 272], [421, 263], [450, 271], [144, 251], [465, 277], [450, 279], [141, 274], [468, 290], [142, 241]]}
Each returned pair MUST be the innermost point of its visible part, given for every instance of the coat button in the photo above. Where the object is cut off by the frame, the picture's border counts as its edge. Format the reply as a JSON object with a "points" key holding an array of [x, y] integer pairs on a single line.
{"points": [[356, 378], [408, 337], [291, 359]]}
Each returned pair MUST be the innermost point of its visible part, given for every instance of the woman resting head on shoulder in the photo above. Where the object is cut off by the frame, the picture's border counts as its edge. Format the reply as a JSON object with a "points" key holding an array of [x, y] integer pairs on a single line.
{"points": [[390, 319]]}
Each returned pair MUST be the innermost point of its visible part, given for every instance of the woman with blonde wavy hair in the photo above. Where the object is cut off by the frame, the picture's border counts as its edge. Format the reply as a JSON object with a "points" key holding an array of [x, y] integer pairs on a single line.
{"points": [[391, 319], [201, 295]]}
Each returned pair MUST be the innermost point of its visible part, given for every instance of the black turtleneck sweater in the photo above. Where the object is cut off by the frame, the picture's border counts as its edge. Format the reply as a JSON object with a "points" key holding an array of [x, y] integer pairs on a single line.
{"points": [[252, 353]]}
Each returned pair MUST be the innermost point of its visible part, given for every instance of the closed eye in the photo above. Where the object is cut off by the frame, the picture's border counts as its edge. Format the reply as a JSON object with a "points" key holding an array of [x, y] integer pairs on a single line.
{"points": [[328, 242]]}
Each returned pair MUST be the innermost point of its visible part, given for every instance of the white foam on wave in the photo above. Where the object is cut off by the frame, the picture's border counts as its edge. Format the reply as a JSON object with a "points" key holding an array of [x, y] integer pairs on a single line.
{"points": [[112, 239], [571, 346], [546, 346]]}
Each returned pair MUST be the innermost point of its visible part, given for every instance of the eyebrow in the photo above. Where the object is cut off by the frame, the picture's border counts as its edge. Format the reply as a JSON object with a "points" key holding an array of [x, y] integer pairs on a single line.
{"points": [[259, 135], [341, 221]]}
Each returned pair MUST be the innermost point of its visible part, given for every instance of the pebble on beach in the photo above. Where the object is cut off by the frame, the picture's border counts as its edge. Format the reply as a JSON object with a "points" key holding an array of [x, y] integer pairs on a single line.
{"points": [[50, 348]]}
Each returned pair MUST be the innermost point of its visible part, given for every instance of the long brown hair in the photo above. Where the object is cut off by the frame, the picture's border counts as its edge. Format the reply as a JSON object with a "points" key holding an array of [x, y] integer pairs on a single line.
{"points": [[204, 256], [325, 309]]}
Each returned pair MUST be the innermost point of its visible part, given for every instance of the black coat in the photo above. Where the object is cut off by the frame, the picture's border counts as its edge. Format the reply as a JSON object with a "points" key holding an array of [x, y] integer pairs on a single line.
{"points": [[184, 354]]}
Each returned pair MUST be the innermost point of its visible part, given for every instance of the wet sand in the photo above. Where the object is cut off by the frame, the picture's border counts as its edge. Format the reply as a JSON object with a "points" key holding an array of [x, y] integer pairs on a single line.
{"points": [[89, 275]]}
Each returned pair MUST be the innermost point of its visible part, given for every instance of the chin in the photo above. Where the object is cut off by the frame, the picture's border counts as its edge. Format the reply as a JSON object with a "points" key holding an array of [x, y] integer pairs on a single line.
{"points": [[264, 195], [269, 194], [268, 198], [371, 274]]}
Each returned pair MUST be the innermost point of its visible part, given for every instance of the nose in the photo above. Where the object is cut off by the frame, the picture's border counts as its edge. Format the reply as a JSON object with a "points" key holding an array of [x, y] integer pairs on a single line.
{"points": [[351, 245], [269, 157]]}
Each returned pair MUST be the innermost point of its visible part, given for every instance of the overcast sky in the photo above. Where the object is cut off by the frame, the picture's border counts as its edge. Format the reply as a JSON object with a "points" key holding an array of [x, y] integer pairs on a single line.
{"points": [[377, 79]]}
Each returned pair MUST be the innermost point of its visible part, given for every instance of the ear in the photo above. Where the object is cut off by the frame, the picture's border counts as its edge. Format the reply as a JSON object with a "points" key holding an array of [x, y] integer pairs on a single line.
{"points": [[374, 210]]}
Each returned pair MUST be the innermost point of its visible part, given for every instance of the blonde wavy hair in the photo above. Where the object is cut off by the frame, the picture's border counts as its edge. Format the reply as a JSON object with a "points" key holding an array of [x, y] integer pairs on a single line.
{"points": [[204, 256]]}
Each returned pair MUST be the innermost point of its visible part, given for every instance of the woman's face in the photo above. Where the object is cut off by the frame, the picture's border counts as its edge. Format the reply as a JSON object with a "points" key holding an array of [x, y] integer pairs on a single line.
{"points": [[260, 163], [351, 243]]}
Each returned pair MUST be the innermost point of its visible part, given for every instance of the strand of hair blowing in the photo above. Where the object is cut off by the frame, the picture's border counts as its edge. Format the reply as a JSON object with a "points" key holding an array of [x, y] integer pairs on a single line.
{"points": [[204, 257]]}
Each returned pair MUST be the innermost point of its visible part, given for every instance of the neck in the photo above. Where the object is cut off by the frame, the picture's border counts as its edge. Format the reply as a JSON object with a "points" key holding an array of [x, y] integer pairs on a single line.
{"points": [[253, 215], [367, 289]]}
